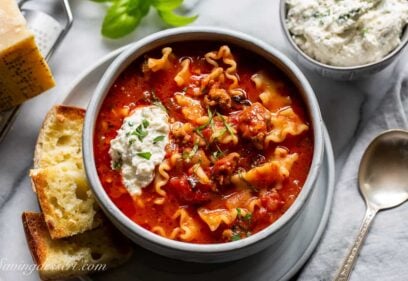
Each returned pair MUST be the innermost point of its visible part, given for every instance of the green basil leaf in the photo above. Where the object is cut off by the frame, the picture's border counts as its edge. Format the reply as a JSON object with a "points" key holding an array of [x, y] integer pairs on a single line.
{"points": [[145, 155], [117, 165], [145, 123], [235, 237], [140, 132], [157, 139], [166, 5], [124, 16], [144, 7], [247, 217], [173, 19], [121, 18]]}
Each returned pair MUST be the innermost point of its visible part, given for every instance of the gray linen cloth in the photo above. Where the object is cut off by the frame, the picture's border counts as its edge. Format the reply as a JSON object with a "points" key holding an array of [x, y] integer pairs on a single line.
{"points": [[383, 256]]}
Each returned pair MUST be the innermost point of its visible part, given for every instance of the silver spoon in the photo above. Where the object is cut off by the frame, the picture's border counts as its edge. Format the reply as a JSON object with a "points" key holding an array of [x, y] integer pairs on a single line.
{"points": [[383, 182]]}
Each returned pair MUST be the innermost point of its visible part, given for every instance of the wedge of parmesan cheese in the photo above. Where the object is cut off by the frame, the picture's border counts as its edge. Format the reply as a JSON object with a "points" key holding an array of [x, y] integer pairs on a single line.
{"points": [[23, 70]]}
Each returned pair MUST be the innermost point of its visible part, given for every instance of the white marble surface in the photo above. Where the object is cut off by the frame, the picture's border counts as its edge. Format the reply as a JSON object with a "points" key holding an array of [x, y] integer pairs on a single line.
{"points": [[347, 109]]}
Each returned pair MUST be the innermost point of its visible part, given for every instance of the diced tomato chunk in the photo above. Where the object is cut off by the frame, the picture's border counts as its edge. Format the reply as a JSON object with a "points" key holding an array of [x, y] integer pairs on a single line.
{"points": [[260, 216], [207, 133], [272, 201], [185, 192]]}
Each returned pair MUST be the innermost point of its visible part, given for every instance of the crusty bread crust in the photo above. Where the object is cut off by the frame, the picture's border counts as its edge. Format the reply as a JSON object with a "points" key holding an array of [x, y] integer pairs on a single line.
{"points": [[35, 229], [58, 176], [71, 232], [39, 182], [65, 258]]}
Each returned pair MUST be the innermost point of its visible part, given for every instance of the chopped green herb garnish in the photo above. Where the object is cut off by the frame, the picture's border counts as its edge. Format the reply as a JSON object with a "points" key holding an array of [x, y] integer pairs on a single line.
{"points": [[216, 154], [227, 125], [140, 133], [241, 177], [156, 101], [188, 155], [364, 31], [199, 129], [157, 139], [194, 150], [220, 150], [351, 14], [145, 123], [145, 155], [200, 134], [117, 164], [221, 133], [235, 237], [240, 228], [211, 119], [205, 125], [247, 217], [317, 15]]}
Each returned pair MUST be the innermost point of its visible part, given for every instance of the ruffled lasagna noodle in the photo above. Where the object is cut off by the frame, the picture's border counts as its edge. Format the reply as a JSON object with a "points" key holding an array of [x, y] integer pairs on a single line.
{"points": [[240, 143]]}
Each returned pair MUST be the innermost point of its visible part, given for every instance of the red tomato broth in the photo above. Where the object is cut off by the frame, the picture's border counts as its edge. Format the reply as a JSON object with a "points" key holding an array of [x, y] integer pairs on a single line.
{"points": [[127, 93]]}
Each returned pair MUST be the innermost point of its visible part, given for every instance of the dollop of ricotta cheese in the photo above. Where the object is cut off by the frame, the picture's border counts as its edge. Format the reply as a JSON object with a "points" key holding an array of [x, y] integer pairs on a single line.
{"points": [[347, 32], [140, 146]]}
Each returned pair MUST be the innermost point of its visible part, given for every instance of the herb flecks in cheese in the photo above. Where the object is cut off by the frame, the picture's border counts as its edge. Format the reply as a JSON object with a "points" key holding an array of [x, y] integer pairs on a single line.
{"points": [[347, 32], [140, 146]]}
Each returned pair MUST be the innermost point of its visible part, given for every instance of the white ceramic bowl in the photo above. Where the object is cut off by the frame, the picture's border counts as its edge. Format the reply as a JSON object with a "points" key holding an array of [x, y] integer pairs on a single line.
{"points": [[270, 236], [340, 72]]}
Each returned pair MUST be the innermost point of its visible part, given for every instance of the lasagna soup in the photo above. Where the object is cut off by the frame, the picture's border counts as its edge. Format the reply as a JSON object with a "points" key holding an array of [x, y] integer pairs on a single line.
{"points": [[203, 143]]}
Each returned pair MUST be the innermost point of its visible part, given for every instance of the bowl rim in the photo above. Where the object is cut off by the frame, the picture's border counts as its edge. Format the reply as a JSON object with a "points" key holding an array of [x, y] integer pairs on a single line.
{"points": [[161, 38], [382, 61]]}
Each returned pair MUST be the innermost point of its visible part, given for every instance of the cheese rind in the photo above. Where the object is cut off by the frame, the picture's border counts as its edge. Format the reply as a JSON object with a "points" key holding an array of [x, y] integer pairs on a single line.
{"points": [[24, 72]]}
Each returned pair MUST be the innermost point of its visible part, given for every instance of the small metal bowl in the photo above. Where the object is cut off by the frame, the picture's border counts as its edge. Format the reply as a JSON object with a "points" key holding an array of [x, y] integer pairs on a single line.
{"points": [[339, 72], [272, 235]]}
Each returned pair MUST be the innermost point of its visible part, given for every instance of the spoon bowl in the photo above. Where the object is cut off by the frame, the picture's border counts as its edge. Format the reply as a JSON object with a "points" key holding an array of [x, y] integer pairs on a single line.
{"points": [[383, 173], [383, 182]]}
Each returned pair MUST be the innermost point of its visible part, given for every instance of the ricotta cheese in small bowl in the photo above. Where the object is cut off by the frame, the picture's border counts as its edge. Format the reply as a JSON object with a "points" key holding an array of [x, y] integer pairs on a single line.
{"points": [[140, 146], [346, 39], [347, 33]]}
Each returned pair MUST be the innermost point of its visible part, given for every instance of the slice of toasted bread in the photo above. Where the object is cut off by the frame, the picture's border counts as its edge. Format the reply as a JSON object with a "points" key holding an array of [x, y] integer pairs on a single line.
{"points": [[92, 251], [58, 176], [66, 200], [60, 137]]}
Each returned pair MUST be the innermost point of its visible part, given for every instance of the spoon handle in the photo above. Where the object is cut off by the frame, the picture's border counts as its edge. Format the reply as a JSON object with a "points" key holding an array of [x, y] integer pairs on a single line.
{"points": [[345, 270]]}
